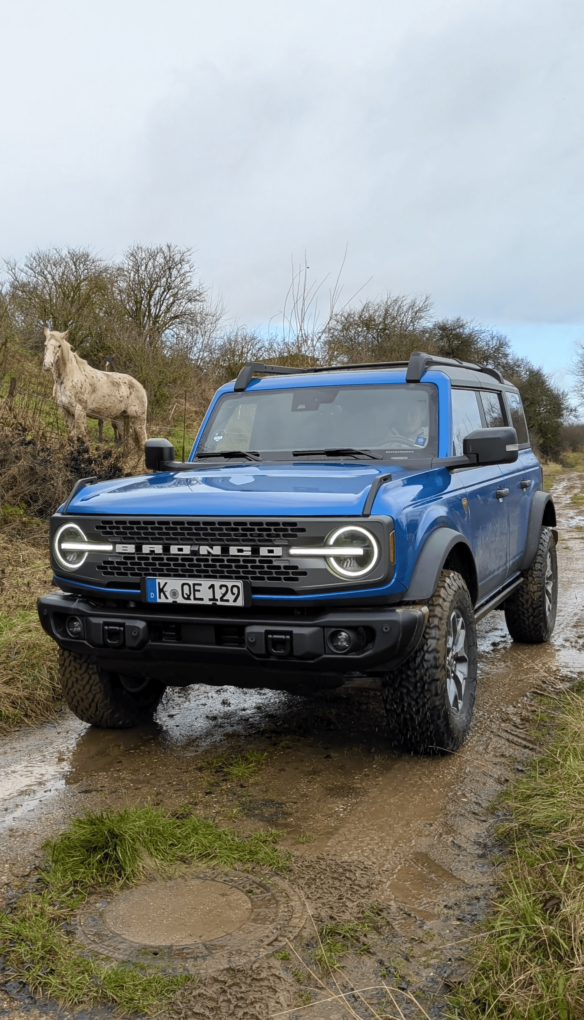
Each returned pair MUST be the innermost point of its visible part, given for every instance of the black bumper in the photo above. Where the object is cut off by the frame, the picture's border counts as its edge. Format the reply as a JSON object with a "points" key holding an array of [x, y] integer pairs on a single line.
{"points": [[248, 648]]}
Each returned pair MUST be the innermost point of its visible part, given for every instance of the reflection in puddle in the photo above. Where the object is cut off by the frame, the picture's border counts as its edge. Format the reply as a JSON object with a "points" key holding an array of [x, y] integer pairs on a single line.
{"points": [[33, 765], [38, 764]]}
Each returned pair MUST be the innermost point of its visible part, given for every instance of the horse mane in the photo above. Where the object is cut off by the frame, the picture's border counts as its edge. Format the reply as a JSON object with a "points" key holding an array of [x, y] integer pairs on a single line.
{"points": [[70, 354]]}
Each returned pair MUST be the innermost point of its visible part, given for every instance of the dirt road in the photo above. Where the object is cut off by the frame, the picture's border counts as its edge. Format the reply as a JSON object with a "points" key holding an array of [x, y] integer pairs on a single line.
{"points": [[366, 825]]}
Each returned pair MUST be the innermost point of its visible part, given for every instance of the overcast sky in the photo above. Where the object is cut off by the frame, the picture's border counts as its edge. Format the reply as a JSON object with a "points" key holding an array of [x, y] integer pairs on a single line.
{"points": [[439, 141]]}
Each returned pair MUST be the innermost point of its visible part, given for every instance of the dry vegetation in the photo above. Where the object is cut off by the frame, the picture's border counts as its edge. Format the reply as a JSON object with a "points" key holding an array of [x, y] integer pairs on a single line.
{"points": [[28, 660]]}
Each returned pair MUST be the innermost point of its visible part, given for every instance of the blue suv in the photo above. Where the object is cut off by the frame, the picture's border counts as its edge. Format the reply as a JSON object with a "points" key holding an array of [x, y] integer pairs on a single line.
{"points": [[332, 527]]}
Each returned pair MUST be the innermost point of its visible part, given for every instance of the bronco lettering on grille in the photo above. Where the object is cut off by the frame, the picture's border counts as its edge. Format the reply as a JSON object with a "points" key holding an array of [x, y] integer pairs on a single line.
{"points": [[269, 551]]}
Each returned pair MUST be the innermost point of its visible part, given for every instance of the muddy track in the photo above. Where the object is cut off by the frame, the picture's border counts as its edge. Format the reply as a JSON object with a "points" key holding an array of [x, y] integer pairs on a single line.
{"points": [[412, 835]]}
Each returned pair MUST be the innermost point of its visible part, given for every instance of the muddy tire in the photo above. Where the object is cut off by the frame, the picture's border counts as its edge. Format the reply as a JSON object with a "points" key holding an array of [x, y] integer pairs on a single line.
{"points": [[530, 613], [429, 699], [98, 697]]}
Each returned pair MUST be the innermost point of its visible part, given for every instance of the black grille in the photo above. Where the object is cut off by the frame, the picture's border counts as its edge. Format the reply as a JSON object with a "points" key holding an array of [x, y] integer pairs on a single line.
{"points": [[255, 568], [193, 532]]}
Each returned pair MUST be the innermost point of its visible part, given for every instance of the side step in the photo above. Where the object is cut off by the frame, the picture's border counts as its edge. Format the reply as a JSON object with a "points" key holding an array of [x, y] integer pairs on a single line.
{"points": [[495, 600]]}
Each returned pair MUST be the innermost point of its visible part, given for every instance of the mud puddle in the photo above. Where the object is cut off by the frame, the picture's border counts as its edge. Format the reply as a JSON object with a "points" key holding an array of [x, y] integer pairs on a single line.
{"points": [[413, 836]]}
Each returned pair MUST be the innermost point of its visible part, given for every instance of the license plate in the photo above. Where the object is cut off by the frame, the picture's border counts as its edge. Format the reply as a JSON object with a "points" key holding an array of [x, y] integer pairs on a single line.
{"points": [[202, 593]]}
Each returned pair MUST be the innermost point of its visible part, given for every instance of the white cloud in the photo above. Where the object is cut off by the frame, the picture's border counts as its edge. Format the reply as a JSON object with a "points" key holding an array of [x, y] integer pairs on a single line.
{"points": [[439, 140]]}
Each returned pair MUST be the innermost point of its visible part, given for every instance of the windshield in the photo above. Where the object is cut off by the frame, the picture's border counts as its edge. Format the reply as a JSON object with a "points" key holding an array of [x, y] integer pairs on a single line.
{"points": [[397, 421]]}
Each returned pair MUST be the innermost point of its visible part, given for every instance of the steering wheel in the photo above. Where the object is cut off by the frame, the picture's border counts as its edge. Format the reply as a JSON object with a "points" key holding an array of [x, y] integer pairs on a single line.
{"points": [[409, 444]]}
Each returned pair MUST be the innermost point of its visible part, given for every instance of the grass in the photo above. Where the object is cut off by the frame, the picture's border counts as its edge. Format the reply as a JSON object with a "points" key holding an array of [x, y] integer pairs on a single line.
{"points": [[530, 960], [338, 938], [115, 849], [241, 766], [551, 470], [104, 851]]}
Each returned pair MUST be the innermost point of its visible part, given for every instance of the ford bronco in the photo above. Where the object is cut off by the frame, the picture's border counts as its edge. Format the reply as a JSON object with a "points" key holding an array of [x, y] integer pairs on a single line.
{"points": [[332, 527]]}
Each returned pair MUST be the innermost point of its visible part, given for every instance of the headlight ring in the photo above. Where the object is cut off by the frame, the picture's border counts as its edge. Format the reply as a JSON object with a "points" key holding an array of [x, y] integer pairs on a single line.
{"points": [[353, 566], [70, 559]]}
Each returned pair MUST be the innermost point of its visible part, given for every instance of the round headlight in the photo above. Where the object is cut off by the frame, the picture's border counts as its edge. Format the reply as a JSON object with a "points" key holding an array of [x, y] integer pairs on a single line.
{"points": [[361, 560], [67, 536]]}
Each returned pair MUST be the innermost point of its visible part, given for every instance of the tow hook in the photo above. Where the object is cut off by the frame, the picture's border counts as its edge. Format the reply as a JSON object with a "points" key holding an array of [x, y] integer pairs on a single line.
{"points": [[279, 644]]}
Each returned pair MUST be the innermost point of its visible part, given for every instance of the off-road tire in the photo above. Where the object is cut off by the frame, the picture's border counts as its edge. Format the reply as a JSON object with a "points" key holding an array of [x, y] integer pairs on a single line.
{"points": [[421, 715], [530, 612], [97, 696]]}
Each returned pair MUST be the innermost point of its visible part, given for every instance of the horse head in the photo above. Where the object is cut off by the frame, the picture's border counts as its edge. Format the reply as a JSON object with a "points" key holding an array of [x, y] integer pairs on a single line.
{"points": [[107, 363], [53, 346]]}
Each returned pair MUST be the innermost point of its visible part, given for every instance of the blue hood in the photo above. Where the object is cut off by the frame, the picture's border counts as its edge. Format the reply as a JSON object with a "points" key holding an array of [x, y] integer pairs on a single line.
{"points": [[285, 490]]}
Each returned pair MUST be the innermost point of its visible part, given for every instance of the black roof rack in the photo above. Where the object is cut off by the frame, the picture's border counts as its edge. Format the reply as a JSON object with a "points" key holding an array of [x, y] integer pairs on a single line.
{"points": [[420, 363], [416, 366]]}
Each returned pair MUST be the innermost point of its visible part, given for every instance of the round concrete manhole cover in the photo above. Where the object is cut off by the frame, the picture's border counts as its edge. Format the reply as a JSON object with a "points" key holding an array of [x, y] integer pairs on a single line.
{"points": [[195, 924], [173, 913]]}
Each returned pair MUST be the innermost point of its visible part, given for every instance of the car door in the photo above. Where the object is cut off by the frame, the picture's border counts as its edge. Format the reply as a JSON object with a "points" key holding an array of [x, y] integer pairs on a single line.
{"points": [[522, 478], [487, 508]]}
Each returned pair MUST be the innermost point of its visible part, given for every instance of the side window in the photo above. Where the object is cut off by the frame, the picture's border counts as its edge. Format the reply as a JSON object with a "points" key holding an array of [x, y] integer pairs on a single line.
{"points": [[466, 417], [517, 417], [492, 408]]}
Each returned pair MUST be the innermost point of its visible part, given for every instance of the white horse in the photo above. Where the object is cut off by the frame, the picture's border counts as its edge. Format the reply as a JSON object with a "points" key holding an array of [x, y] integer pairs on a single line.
{"points": [[81, 391]]}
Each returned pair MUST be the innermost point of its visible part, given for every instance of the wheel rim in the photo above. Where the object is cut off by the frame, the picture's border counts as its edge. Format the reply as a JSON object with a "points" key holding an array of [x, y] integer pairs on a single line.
{"points": [[549, 585], [456, 660]]}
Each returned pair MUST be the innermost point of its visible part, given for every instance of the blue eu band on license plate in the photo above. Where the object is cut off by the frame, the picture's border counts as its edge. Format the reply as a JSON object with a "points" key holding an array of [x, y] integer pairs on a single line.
{"points": [[196, 592]]}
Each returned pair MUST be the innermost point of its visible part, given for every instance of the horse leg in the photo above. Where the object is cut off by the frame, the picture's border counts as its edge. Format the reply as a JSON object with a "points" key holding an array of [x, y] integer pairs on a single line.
{"points": [[126, 425], [100, 430], [80, 423], [134, 450], [69, 419], [139, 433]]}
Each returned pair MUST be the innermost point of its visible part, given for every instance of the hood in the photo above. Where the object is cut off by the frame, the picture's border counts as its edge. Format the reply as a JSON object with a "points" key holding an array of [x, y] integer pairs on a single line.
{"points": [[283, 490]]}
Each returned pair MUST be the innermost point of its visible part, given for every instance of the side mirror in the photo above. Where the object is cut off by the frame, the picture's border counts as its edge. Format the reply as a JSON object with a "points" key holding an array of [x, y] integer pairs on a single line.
{"points": [[491, 446], [158, 453]]}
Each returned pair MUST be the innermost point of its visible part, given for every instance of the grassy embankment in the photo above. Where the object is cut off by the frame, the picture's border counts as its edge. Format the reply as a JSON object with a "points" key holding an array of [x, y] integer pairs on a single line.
{"points": [[28, 658], [528, 964]]}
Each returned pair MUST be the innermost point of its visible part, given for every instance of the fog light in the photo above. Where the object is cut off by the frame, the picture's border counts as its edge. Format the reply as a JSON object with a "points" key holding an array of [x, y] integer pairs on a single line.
{"points": [[341, 640], [74, 627]]}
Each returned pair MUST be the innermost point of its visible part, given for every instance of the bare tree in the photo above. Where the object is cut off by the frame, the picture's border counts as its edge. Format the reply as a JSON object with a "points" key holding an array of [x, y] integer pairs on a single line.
{"points": [[387, 329], [156, 292], [62, 288]]}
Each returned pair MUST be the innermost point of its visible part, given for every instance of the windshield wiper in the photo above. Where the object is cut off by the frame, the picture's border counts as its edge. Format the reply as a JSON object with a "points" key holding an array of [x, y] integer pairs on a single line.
{"points": [[338, 451], [248, 454]]}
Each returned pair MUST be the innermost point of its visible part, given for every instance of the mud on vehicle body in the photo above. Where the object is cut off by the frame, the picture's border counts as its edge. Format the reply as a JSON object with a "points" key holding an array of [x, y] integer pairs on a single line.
{"points": [[332, 527]]}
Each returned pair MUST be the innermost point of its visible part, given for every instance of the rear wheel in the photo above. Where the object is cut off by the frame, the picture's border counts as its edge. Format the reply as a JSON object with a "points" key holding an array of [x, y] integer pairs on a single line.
{"points": [[105, 699], [530, 613], [429, 699]]}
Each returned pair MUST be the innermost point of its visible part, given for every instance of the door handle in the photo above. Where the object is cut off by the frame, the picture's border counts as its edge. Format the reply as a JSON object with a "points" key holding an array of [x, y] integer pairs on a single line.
{"points": [[526, 483], [501, 493]]}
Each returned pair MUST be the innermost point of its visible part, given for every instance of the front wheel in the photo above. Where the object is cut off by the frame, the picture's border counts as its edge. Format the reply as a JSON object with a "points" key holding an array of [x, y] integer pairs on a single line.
{"points": [[530, 613], [429, 699], [102, 698]]}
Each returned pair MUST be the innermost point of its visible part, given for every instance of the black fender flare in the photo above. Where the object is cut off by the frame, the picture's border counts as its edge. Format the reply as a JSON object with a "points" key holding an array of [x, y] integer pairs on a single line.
{"points": [[431, 560], [542, 513]]}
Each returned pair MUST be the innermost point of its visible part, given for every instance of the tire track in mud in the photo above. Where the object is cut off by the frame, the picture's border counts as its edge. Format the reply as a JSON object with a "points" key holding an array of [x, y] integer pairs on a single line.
{"points": [[413, 835]]}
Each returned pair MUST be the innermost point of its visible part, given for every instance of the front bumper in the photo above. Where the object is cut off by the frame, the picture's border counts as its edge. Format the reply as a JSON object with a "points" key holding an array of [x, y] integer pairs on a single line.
{"points": [[248, 648]]}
